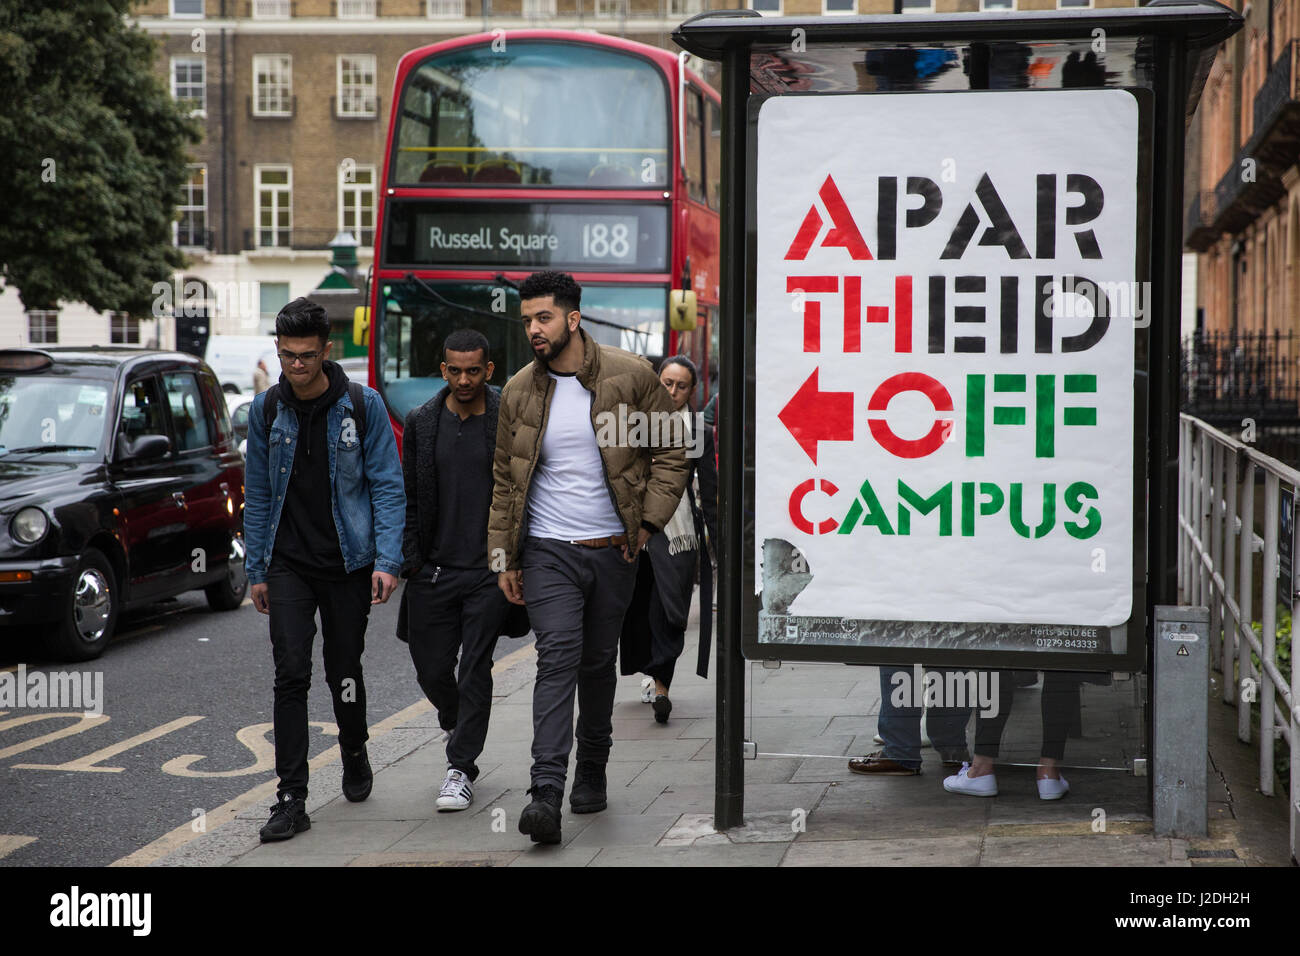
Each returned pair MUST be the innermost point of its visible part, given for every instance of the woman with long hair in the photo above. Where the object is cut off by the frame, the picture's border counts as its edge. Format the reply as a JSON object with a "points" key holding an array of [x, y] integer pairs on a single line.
{"points": [[654, 628]]}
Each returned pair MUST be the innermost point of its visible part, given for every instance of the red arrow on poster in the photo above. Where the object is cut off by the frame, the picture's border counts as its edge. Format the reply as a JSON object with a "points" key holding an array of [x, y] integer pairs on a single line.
{"points": [[813, 416]]}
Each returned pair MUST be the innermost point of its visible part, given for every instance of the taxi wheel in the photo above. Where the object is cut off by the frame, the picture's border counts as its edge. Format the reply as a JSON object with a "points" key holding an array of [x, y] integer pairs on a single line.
{"points": [[86, 624], [228, 593]]}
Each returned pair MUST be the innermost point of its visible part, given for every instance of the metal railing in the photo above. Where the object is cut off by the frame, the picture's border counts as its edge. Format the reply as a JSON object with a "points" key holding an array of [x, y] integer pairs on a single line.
{"points": [[1228, 376], [1217, 543]]}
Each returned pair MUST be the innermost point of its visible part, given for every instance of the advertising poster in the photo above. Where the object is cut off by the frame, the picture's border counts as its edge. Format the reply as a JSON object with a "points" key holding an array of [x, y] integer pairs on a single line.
{"points": [[946, 299]]}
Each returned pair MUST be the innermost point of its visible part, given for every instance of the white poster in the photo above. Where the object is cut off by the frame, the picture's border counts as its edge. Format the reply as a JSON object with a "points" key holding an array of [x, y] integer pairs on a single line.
{"points": [[946, 300]]}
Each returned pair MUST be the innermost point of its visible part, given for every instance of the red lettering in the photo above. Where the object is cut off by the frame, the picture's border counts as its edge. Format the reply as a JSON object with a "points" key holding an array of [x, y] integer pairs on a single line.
{"points": [[801, 491], [909, 382]]}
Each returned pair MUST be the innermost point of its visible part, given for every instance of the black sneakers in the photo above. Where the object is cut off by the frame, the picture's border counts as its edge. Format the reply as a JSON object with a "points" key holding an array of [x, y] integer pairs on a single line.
{"points": [[541, 818], [588, 793], [357, 778], [288, 816]]}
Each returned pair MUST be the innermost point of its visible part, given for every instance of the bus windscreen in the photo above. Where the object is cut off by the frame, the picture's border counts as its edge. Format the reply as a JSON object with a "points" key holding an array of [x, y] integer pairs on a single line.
{"points": [[533, 114]]}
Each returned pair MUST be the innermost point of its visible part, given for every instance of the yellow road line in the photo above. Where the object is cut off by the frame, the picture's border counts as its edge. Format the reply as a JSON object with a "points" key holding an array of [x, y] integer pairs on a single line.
{"points": [[11, 842], [183, 834], [87, 763]]}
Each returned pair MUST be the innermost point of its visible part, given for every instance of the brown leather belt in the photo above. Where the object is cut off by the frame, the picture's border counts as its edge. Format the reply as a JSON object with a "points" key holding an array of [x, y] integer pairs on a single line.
{"points": [[615, 541]]}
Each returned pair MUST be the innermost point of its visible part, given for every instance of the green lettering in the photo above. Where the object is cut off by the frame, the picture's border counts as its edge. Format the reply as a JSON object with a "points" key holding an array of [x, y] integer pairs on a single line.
{"points": [[1074, 496], [1017, 511], [941, 499], [875, 514]]}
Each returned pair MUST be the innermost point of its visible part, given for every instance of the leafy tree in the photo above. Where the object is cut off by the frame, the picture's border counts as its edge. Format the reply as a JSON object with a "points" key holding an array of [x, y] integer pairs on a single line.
{"points": [[92, 156]]}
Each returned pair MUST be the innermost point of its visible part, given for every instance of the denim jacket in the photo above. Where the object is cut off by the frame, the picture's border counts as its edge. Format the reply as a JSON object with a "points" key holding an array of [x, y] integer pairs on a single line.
{"points": [[368, 500]]}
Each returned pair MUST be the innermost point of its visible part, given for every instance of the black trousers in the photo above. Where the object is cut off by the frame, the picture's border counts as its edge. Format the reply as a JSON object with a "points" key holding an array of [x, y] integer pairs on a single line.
{"points": [[1059, 704], [667, 640], [344, 605], [456, 611]]}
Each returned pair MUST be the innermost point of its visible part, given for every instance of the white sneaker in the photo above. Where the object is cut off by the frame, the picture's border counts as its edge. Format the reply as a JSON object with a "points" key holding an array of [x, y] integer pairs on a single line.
{"points": [[985, 786], [648, 690], [456, 793], [1049, 789]]}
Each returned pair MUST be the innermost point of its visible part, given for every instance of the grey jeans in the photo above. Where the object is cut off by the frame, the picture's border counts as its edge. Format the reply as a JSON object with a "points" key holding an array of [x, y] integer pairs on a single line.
{"points": [[576, 599]]}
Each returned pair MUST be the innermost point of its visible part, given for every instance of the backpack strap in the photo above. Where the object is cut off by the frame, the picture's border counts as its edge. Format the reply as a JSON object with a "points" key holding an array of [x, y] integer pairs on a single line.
{"points": [[271, 407], [355, 392], [358, 396]]}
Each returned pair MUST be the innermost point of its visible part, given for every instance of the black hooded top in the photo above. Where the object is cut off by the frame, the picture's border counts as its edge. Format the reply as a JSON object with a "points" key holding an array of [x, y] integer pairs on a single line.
{"points": [[307, 540]]}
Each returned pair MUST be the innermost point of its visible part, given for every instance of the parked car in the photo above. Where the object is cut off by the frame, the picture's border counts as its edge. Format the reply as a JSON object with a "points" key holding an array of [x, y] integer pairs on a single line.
{"points": [[120, 485]]}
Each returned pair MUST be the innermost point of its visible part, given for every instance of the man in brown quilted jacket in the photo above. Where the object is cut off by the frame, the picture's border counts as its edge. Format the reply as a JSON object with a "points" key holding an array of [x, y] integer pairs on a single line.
{"points": [[584, 475]]}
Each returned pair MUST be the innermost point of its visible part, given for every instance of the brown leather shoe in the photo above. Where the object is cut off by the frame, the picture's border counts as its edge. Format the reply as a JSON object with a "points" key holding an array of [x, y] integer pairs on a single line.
{"points": [[879, 765]]}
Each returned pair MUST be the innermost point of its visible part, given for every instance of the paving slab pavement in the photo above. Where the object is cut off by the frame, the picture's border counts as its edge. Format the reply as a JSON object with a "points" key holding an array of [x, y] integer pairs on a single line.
{"points": [[802, 807]]}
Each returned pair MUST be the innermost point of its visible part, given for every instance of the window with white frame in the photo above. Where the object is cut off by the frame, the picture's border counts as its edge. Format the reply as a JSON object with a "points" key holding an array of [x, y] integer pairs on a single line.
{"points": [[192, 221], [685, 8], [611, 8], [997, 4], [1074, 4], [356, 9], [123, 329], [187, 8], [838, 8], [357, 203], [272, 9], [273, 85], [43, 327], [539, 8], [444, 9], [274, 205], [188, 82], [918, 6], [769, 8], [356, 85]]}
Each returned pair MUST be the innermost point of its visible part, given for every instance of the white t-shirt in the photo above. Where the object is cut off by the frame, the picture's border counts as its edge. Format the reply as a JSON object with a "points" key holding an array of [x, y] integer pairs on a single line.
{"points": [[568, 499]]}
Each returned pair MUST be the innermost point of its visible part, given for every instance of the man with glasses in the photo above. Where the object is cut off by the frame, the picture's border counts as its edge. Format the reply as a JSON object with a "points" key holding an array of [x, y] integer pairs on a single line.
{"points": [[324, 509]]}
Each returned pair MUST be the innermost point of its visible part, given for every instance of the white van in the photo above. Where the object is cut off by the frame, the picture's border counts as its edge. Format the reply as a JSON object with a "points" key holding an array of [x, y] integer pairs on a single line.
{"points": [[233, 358]]}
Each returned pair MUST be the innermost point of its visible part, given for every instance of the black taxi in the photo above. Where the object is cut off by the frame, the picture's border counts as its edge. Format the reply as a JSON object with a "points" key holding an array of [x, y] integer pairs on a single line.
{"points": [[120, 484]]}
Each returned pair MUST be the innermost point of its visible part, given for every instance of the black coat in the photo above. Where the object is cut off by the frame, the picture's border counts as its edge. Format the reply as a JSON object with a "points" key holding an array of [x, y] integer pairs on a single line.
{"points": [[634, 643], [420, 471]]}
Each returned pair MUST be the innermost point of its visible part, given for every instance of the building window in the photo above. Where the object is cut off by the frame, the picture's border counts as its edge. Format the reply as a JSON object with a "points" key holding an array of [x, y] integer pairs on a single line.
{"points": [[192, 224], [187, 8], [918, 6], [357, 203], [356, 86], [838, 8], [685, 8], [272, 297], [769, 8], [272, 9], [997, 4], [188, 85], [43, 327], [123, 329], [539, 8], [1074, 4], [356, 9], [441, 9], [273, 85], [611, 8], [274, 206]]}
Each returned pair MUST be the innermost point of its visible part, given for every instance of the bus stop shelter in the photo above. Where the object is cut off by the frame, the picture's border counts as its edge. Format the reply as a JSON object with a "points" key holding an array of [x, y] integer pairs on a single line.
{"points": [[951, 270]]}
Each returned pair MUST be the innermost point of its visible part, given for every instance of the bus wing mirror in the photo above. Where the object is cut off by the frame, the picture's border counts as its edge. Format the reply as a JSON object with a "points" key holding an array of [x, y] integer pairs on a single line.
{"points": [[682, 310], [361, 325]]}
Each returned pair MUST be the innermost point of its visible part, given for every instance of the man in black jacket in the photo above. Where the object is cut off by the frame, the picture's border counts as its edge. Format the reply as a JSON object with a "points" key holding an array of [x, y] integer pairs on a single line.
{"points": [[453, 602]]}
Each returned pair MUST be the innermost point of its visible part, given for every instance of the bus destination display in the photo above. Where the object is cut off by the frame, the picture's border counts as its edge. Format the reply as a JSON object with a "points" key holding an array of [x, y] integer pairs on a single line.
{"points": [[622, 238]]}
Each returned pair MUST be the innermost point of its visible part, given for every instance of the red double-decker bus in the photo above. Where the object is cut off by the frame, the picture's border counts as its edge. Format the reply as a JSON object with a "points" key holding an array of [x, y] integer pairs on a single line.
{"points": [[543, 149]]}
